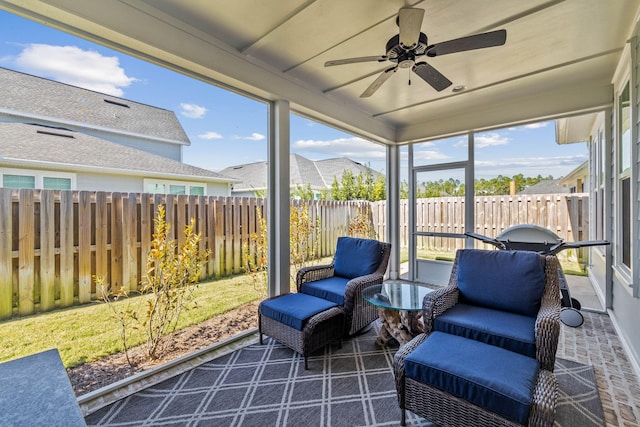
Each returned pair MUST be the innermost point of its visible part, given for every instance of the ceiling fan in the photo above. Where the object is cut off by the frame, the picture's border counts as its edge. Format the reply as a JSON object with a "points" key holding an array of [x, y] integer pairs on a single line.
{"points": [[410, 43]]}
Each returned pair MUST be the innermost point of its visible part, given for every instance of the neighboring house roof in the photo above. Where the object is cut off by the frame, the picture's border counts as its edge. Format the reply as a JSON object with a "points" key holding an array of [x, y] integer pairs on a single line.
{"points": [[330, 168], [24, 95], [548, 186], [319, 174], [579, 173], [25, 145]]}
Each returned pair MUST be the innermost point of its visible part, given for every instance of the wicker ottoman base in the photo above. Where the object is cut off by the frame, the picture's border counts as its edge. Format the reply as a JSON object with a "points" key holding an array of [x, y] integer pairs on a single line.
{"points": [[447, 410], [318, 331]]}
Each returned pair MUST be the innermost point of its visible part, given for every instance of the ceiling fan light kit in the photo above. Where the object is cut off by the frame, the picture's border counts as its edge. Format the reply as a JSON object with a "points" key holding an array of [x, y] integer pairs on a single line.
{"points": [[410, 43]]}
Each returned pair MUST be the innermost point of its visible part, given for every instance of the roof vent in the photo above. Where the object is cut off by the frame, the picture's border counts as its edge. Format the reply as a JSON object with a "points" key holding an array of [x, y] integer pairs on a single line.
{"points": [[119, 104], [55, 134]]}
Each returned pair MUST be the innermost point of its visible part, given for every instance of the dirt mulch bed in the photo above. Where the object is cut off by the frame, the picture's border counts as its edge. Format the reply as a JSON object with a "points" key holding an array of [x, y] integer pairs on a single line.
{"points": [[97, 374]]}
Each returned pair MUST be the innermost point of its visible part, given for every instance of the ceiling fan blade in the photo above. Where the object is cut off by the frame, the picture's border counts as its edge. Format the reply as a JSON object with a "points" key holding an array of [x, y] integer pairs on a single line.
{"points": [[410, 23], [373, 87], [431, 76], [477, 41], [355, 60]]}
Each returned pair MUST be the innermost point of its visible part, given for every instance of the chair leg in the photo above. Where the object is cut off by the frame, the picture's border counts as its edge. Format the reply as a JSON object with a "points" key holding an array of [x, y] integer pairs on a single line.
{"points": [[403, 420], [260, 338], [306, 365]]}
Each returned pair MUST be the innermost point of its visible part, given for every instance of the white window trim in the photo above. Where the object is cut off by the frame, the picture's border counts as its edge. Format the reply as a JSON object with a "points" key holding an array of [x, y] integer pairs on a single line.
{"points": [[39, 175], [166, 182], [622, 76]]}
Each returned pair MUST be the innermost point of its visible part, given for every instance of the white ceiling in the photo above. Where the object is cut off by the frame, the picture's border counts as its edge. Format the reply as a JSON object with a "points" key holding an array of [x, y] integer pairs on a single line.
{"points": [[559, 57]]}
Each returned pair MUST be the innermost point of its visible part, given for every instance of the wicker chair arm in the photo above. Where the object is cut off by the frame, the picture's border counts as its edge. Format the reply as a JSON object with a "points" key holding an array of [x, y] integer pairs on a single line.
{"points": [[545, 398], [313, 273], [437, 302], [547, 326], [398, 364], [355, 286]]}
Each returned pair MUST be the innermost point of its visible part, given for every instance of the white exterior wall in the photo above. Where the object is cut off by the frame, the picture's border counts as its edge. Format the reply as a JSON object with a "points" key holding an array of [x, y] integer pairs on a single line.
{"points": [[109, 183], [219, 189]]}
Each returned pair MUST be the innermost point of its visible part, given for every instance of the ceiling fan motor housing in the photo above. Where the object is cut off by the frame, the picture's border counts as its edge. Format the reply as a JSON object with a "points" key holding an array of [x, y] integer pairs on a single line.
{"points": [[397, 53]]}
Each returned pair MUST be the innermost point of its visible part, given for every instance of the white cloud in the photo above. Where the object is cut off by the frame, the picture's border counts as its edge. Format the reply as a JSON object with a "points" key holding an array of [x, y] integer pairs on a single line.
{"points": [[354, 148], [255, 137], [530, 166], [70, 64], [192, 111], [210, 135], [485, 140], [537, 125]]}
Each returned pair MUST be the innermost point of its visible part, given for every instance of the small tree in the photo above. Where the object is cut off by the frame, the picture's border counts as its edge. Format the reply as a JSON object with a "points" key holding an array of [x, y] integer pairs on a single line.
{"points": [[171, 272], [303, 244], [361, 224], [255, 255]]}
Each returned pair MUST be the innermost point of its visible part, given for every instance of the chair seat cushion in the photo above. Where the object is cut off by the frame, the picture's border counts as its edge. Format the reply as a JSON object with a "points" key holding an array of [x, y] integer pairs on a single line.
{"points": [[294, 309], [331, 289], [510, 331], [505, 280], [356, 257], [490, 377]]}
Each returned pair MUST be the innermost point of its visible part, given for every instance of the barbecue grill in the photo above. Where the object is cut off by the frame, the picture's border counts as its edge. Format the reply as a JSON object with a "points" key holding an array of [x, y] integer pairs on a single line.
{"points": [[529, 237]]}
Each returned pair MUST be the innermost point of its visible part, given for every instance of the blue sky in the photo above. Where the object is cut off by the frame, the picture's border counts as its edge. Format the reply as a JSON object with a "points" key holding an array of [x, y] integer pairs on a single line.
{"points": [[226, 129]]}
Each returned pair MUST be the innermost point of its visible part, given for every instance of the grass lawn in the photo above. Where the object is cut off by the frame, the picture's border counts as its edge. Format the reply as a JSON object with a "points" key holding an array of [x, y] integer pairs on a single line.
{"points": [[89, 332]]}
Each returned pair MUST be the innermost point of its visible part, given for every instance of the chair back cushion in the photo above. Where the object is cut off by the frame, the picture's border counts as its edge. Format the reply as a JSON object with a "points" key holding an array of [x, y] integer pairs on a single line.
{"points": [[503, 280], [356, 257]]}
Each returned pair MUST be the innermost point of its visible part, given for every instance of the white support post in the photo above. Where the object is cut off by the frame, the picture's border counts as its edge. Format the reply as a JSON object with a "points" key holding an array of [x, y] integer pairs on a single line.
{"points": [[278, 198], [393, 209]]}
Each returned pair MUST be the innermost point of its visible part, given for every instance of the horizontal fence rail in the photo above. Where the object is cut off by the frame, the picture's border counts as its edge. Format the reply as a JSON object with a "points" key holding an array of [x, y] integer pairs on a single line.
{"points": [[54, 243]]}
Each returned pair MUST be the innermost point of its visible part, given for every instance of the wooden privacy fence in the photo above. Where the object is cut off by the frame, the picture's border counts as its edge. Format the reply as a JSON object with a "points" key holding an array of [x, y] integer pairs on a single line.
{"points": [[567, 215], [53, 243]]}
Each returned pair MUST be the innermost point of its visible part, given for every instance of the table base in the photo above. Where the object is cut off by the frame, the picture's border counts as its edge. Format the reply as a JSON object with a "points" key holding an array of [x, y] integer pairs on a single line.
{"points": [[399, 325]]}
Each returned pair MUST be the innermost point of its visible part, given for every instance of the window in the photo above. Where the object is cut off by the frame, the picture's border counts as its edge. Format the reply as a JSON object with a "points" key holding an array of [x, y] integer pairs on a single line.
{"points": [[174, 187], [624, 179], [50, 183], [18, 181], [177, 189], [196, 190], [598, 148], [47, 180]]}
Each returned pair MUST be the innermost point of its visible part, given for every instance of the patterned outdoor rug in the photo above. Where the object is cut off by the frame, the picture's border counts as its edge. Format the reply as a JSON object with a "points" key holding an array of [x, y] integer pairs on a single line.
{"points": [[268, 386]]}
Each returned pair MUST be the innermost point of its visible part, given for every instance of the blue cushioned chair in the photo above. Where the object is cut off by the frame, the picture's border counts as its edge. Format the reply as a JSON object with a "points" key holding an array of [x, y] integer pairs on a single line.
{"points": [[489, 347], [510, 299], [357, 264]]}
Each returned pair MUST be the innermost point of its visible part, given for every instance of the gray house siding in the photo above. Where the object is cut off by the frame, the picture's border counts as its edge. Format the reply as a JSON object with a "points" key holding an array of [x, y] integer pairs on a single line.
{"points": [[616, 284], [164, 149]]}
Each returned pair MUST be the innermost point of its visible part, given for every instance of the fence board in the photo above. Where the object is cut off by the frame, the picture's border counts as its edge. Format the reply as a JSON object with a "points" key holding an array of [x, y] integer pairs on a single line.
{"points": [[84, 247], [117, 229], [130, 252], [101, 231], [47, 252], [26, 253], [6, 250]]}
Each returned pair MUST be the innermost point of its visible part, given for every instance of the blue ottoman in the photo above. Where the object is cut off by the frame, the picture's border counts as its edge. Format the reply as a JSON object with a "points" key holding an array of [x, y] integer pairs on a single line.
{"points": [[303, 323], [452, 380]]}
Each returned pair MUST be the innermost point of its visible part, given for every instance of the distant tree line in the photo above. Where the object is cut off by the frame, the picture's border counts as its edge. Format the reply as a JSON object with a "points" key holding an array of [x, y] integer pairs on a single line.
{"points": [[365, 186]]}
